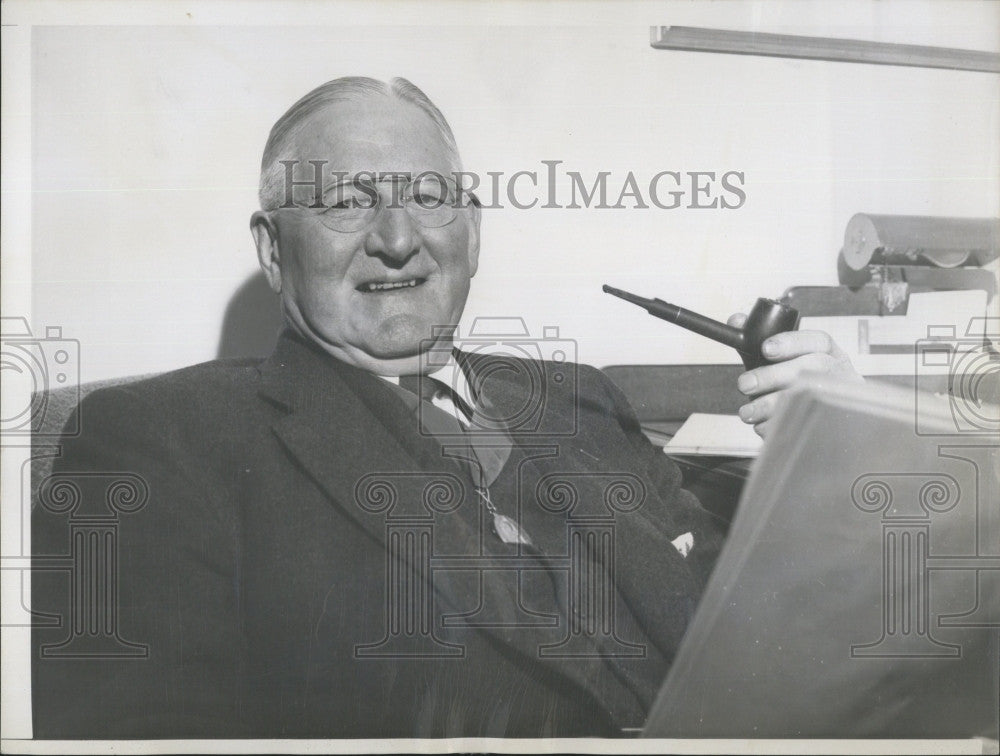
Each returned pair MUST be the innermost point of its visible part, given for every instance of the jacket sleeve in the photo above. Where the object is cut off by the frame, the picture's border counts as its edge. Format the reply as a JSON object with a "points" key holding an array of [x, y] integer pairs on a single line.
{"points": [[686, 513], [146, 593]]}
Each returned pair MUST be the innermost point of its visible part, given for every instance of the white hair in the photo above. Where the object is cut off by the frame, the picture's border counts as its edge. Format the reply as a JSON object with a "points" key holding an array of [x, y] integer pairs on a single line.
{"points": [[287, 128]]}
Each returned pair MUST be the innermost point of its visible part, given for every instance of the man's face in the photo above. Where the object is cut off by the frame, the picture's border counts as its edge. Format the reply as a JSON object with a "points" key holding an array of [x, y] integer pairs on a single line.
{"points": [[325, 276]]}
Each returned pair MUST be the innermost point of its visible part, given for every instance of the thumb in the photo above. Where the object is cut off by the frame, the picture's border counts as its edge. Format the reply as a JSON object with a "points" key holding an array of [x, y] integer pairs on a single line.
{"points": [[737, 320]]}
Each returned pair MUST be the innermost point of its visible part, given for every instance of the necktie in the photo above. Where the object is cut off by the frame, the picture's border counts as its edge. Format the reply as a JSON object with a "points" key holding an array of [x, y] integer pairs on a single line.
{"points": [[490, 452], [429, 388]]}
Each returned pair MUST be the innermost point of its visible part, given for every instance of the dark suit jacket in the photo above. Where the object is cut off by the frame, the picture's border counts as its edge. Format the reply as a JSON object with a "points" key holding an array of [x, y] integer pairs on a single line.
{"points": [[261, 573]]}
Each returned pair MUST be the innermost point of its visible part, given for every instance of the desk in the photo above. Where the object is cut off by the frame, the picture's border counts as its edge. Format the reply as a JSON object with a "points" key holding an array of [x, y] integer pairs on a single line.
{"points": [[663, 396]]}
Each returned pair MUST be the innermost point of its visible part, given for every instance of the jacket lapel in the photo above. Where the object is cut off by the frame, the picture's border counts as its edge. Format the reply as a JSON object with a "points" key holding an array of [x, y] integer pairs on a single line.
{"points": [[357, 436], [354, 435]]}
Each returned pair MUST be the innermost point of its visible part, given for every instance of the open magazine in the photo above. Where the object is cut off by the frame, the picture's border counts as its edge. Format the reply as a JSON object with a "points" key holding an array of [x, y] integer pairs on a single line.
{"points": [[858, 594]]}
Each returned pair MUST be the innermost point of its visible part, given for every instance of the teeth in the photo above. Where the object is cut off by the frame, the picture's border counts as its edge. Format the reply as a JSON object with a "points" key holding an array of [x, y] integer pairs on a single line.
{"points": [[372, 286]]}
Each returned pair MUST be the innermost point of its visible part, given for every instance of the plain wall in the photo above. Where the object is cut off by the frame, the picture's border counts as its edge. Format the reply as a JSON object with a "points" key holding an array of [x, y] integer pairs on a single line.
{"points": [[146, 144]]}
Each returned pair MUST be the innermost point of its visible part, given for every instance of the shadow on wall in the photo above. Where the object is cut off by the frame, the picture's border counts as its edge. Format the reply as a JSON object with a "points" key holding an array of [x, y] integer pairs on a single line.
{"points": [[252, 321]]}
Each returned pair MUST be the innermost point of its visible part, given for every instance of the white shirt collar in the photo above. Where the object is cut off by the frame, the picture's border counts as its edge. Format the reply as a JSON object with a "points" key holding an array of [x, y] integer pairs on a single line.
{"points": [[451, 375]]}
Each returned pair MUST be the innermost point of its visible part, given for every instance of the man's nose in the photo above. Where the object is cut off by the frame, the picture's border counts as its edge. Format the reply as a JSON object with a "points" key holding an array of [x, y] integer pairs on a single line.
{"points": [[394, 235]]}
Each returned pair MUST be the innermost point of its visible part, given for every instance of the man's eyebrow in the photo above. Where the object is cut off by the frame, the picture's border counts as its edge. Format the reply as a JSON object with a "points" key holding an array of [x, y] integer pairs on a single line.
{"points": [[370, 178]]}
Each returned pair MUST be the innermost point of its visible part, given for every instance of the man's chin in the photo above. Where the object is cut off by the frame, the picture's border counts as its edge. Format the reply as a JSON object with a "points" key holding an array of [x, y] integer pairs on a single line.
{"points": [[402, 337]]}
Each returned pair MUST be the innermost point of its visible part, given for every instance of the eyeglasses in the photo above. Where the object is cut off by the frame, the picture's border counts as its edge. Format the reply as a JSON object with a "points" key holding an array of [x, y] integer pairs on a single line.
{"points": [[431, 200]]}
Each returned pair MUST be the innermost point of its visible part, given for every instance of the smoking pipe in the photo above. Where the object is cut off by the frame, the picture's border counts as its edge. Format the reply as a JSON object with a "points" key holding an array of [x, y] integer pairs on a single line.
{"points": [[767, 318]]}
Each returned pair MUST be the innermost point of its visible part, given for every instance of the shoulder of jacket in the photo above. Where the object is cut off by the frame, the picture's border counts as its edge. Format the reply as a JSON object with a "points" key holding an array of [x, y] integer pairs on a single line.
{"points": [[218, 381]]}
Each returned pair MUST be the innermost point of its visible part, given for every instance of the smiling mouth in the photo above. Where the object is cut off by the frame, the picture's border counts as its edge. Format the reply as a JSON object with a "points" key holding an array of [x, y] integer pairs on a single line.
{"points": [[373, 287]]}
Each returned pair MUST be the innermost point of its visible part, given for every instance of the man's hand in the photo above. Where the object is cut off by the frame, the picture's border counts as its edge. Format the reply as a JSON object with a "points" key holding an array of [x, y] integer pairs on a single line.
{"points": [[794, 352]]}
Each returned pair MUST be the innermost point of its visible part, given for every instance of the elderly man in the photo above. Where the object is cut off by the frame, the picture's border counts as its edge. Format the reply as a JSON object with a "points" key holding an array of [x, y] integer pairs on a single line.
{"points": [[336, 546]]}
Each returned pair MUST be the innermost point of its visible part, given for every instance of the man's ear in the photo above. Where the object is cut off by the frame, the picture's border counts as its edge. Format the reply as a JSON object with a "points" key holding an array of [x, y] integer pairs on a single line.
{"points": [[474, 218], [265, 236]]}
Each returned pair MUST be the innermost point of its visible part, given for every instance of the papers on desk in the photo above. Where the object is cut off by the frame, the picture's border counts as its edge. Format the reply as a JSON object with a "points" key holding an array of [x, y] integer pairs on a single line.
{"points": [[715, 435], [888, 345]]}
